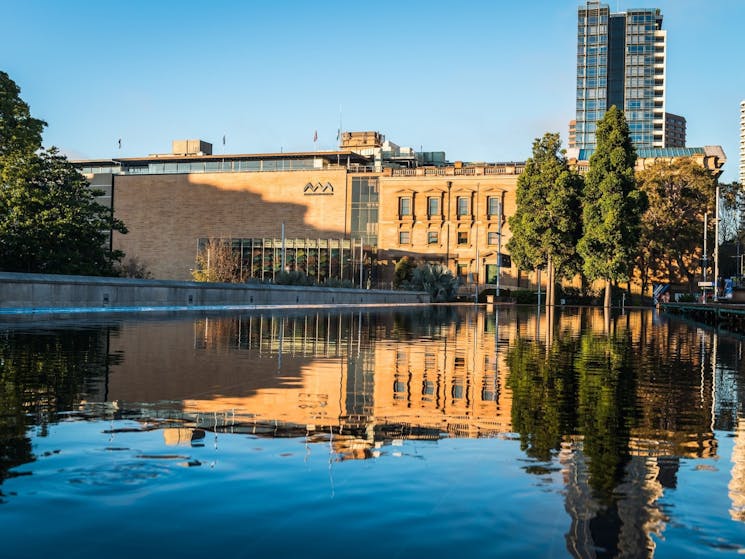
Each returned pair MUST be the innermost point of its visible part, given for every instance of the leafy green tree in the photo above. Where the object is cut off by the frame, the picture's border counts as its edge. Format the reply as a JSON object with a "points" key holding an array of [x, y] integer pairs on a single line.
{"points": [[19, 131], [546, 225], [678, 192], [50, 221], [612, 205]]}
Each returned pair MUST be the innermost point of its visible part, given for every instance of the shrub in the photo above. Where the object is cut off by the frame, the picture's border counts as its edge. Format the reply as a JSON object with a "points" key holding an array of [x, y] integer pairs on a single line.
{"points": [[436, 280], [403, 272], [341, 283], [294, 277]]}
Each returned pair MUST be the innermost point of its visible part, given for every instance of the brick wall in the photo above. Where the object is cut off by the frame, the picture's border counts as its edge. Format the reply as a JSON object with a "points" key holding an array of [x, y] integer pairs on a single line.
{"points": [[167, 214]]}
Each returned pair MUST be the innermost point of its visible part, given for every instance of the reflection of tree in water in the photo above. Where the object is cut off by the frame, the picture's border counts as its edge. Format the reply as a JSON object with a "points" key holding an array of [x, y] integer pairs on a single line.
{"points": [[606, 408], [584, 385], [543, 394], [42, 374]]}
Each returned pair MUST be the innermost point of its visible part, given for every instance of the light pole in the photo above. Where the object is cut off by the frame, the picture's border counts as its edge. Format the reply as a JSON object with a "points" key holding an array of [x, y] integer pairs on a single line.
{"points": [[716, 245]]}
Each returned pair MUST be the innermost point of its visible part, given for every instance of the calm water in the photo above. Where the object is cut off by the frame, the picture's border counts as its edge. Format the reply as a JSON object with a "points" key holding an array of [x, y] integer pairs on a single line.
{"points": [[450, 432]]}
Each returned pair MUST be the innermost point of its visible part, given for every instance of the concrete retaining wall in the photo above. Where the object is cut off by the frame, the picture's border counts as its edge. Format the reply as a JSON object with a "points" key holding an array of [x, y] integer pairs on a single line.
{"points": [[45, 292]]}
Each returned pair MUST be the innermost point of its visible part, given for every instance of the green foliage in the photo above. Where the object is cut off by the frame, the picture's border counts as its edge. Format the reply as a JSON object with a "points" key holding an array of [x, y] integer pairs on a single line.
{"points": [[341, 283], [403, 271], [41, 377], [679, 192], [50, 221], [436, 280], [294, 277], [612, 205], [543, 388], [19, 131], [605, 402], [546, 223], [582, 386]]}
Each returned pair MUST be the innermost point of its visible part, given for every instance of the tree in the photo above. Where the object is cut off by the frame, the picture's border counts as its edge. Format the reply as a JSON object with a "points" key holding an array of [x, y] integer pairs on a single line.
{"points": [[612, 205], [50, 221], [731, 212], [217, 262], [546, 225], [678, 193], [19, 131]]}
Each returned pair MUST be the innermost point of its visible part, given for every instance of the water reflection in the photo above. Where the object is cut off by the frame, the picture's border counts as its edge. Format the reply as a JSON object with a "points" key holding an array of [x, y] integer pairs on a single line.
{"points": [[44, 374], [609, 405]]}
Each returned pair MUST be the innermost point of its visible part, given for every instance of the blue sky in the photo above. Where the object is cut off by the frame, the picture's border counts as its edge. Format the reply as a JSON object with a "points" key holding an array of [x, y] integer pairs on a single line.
{"points": [[476, 79]]}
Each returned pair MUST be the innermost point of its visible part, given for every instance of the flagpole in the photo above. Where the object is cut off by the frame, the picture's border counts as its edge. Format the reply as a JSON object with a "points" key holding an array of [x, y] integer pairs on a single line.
{"points": [[338, 132]]}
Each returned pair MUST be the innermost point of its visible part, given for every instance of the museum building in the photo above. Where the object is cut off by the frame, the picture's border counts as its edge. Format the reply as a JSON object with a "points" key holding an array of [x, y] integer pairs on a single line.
{"points": [[348, 214]]}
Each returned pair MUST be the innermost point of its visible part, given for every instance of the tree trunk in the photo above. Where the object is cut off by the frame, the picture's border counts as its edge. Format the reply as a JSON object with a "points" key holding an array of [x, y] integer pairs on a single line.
{"points": [[607, 302], [550, 284]]}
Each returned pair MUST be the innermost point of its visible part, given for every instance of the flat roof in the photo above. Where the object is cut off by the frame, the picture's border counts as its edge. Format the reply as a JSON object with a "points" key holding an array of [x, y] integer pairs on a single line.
{"points": [[331, 156]]}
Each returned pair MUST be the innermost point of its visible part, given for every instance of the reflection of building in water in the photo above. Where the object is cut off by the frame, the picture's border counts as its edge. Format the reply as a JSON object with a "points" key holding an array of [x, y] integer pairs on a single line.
{"points": [[737, 483], [322, 373], [453, 383], [674, 418], [624, 527], [392, 389]]}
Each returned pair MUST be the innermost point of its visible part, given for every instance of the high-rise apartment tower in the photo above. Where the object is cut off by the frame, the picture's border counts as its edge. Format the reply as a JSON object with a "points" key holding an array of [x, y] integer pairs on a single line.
{"points": [[621, 61], [742, 142]]}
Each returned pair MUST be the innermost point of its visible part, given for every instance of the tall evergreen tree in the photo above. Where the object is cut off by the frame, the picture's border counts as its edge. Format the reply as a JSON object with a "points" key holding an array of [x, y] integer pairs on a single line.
{"points": [[612, 205], [546, 225]]}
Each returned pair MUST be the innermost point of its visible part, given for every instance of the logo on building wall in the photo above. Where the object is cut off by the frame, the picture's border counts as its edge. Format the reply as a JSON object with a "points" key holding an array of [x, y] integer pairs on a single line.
{"points": [[318, 189]]}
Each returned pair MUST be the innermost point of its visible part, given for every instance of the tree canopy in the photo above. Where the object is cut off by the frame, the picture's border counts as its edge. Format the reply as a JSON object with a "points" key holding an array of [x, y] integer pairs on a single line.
{"points": [[50, 221], [546, 225], [19, 131], [679, 193], [612, 205]]}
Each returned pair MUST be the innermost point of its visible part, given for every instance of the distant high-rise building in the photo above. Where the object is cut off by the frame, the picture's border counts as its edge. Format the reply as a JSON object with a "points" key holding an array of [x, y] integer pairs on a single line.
{"points": [[675, 131], [572, 140], [621, 61], [742, 143]]}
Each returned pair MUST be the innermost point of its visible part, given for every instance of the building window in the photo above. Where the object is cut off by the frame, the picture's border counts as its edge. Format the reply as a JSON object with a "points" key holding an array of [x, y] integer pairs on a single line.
{"points": [[493, 238], [404, 237], [463, 206], [433, 237], [462, 237], [492, 206], [433, 207], [404, 206]]}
